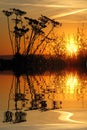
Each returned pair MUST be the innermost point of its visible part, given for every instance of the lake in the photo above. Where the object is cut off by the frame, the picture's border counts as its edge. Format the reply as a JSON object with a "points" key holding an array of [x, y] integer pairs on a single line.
{"points": [[49, 101]]}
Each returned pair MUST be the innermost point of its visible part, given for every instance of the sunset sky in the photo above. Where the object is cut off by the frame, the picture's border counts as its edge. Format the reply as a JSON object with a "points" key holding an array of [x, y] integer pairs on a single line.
{"points": [[71, 13]]}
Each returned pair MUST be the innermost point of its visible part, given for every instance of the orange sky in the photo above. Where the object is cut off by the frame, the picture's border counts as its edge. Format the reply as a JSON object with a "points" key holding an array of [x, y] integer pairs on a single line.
{"points": [[70, 13]]}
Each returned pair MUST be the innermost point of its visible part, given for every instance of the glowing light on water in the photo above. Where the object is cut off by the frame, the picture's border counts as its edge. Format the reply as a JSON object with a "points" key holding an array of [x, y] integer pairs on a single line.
{"points": [[71, 83]]}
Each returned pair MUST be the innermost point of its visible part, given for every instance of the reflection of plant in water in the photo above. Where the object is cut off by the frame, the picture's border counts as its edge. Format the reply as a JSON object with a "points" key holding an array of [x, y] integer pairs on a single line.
{"points": [[36, 94], [81, 90], [19, 99], [42, 92]]}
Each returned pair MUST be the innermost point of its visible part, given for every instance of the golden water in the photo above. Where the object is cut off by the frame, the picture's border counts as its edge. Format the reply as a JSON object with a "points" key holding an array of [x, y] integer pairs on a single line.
{"points": [[62, 92]]}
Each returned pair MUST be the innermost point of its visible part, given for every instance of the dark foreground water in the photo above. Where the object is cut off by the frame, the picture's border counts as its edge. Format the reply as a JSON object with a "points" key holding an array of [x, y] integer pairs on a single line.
{"points": [[52, 101]]}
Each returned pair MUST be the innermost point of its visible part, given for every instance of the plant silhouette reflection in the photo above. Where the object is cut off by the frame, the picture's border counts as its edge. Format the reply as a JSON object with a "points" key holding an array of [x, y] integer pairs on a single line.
{"points": [[43, 93]]}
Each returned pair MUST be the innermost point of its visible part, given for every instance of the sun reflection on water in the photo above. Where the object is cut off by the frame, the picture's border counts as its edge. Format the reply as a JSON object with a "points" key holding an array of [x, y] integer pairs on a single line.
{"points": [[45, 92], [71, 83]]}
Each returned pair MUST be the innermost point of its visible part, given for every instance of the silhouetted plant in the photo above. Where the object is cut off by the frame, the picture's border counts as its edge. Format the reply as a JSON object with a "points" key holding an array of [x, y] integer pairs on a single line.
{"points": [[35, 32], [19, 29], [59, 46], [8, 14], [81, 40], [46, 22]]}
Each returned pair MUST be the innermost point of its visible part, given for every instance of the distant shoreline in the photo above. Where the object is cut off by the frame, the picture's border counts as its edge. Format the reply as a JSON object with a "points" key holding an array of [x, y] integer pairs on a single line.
{"points": [[38, 64], [6, 57]]}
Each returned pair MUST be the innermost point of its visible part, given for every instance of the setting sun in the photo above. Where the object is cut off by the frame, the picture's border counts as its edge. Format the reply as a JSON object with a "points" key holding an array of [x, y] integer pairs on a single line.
{"points": [[71, 47]]}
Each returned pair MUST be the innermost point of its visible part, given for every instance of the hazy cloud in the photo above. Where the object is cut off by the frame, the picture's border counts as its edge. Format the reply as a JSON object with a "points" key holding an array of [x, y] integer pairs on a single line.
{"points": [[69, 13], [54, 8], [37, 5], [49, 6]]}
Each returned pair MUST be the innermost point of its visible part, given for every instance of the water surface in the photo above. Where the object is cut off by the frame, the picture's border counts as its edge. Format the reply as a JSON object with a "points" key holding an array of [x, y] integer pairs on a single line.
{"points": [[49, 99]]}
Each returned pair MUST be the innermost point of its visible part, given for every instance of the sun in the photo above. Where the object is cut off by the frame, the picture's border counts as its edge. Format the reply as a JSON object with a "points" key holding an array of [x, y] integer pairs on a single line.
{"points": [[71, 47]]}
